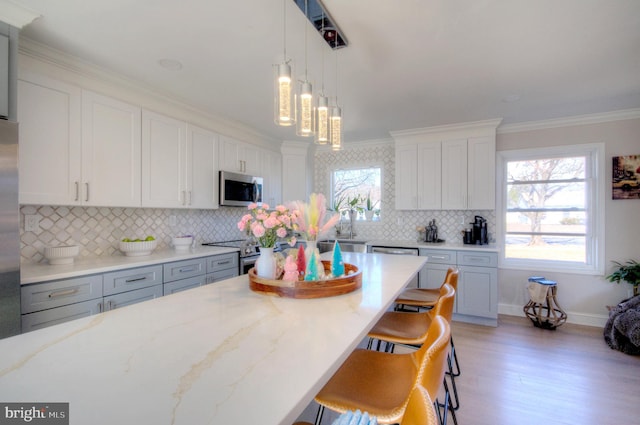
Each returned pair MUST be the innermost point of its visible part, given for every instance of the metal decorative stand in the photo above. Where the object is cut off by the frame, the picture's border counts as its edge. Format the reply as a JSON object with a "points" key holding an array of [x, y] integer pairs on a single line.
{"points": [[543, 309]]}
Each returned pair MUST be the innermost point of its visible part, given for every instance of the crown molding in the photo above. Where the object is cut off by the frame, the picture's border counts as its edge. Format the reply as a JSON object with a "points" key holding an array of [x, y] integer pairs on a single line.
{"points": [[625, 114], [458, 127], [15, 15]]}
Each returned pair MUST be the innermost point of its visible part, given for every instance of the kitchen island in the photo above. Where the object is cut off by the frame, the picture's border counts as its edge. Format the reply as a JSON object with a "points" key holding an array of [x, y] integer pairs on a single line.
{"points": [[217, 354]]}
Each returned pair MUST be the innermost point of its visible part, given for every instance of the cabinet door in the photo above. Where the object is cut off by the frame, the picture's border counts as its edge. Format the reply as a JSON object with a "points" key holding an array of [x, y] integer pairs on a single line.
{"points": [[454, 174], [132, 297], [50, 139], [429, 177], [183, 285], [272, 175], [223, 262], [202, 174], [48, 295], [184, 269], [163, 161], [54, 316], [110, 152], [406, 177], [252, 159], [482, 173], [230, 156], [478, 291]]}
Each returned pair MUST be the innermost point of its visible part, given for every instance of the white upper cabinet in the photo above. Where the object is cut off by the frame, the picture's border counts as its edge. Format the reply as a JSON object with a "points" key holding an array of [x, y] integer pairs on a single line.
{"points": [[239, 157], [76, 147], [447, 167], [202, 168], [111, 149], [179, 166], [454, 174], [50, 142], [272, 175], [482, 173], [164, 150]]}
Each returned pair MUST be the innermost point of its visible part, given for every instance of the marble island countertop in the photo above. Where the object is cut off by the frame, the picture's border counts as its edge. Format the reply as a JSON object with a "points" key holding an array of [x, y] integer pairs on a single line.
{"points": [[217, 354], [33, 273]]}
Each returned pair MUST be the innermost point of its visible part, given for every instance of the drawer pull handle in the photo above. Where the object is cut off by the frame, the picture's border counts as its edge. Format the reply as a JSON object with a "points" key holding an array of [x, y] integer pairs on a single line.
{"points": [[138, 279], [187, 270], [220, 263], [439, 257], [63, 293], [476, 259]]}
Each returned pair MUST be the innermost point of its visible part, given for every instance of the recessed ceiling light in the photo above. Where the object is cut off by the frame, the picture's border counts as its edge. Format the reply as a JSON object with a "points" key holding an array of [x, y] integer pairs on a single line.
{"points": [[170, 64], [511, 98]]}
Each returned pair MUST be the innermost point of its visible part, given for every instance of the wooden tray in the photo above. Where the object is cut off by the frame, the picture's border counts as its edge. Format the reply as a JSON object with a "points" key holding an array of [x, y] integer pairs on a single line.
{"points": [[308, 288]]}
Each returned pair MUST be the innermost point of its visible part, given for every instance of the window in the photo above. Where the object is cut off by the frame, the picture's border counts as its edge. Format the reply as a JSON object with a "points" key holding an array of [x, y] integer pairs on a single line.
{"points": [[359, 188], [552, 213]]}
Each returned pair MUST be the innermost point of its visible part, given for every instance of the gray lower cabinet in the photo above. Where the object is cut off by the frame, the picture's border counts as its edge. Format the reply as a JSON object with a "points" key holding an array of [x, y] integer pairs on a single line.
{"points": [[183, 284], [131, 297], [223, 266], [182, 275], [54, 316], [477, 294], [131, 279]]}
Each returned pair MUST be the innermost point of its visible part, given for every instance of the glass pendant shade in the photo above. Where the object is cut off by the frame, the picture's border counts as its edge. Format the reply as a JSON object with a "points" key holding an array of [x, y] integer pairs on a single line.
{"points": [[336, 128], [322, 121], [283, 96], [304, 110]]}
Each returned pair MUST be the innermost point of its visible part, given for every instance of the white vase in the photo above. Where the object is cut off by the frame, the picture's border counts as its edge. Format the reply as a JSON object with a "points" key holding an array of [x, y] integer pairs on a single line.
{"points": [[368, 214], [266, 264]]}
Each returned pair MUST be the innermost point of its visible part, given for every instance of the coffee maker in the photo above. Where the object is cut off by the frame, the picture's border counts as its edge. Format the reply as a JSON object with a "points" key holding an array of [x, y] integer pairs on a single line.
{"points": [[479, 235]]}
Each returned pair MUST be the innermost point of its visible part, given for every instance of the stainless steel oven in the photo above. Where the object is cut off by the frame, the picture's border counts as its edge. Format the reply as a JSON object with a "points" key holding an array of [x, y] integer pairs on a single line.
{"points": [[249, 251]]}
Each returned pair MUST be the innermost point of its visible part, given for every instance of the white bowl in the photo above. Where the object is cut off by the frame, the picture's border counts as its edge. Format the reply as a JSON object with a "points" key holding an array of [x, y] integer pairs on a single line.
{"points": [[181, 243], [138, 249], [61, 254]]}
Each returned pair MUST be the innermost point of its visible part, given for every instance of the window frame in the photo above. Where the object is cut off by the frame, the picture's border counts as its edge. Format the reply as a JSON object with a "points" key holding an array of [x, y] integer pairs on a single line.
{"points": [[358, 166], [595, 208]]}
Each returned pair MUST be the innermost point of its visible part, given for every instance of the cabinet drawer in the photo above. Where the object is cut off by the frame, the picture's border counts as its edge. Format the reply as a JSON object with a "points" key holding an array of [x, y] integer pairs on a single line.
{"points": [[130, 279], [132, 297], [439, 256], [478, 259], [184, 269], [43, 296], [183, 285], [222, 275], [42, 319], [223, 262]]}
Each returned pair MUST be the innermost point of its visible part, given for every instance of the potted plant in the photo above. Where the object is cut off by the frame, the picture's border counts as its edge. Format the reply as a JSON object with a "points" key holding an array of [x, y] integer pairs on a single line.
{"points": [[369, 207], [628, 272]]}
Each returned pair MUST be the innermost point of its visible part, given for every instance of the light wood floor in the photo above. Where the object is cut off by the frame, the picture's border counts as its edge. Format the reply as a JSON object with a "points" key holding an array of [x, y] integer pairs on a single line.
{"points": [[518, 374]]}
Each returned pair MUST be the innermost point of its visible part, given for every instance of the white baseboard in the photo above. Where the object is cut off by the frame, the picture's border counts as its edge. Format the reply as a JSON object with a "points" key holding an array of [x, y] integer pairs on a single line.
{"points": [[572, 317]]}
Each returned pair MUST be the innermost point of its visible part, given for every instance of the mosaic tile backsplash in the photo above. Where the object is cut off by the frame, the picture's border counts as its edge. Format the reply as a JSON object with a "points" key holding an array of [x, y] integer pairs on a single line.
{"points": [[98, 230]]}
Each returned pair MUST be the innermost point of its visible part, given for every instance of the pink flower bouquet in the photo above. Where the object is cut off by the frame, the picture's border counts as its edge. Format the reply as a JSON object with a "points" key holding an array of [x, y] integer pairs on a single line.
{"points": [[268, 226]]}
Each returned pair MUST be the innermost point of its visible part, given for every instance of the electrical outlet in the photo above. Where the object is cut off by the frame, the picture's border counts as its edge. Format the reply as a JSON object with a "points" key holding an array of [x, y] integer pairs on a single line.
{"points": [[31, 223]]}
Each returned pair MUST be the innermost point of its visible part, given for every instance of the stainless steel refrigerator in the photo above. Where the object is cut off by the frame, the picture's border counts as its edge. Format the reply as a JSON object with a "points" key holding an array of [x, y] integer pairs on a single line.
{"points": [[9, 231]]}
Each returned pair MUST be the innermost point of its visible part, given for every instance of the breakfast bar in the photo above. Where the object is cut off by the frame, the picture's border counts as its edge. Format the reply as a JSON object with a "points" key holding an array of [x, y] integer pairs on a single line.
{"points": [[217, 354]]}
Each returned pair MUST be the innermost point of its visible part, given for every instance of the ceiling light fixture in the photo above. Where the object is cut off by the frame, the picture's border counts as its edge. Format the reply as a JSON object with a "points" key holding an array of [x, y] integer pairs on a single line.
{"points": [[336, 118], [304, 101], [283, 97], [322, 110]]}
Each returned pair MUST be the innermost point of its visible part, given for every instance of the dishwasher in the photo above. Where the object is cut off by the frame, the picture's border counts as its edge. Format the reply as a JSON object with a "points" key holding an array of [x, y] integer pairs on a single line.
{"points": [[392, 250]]}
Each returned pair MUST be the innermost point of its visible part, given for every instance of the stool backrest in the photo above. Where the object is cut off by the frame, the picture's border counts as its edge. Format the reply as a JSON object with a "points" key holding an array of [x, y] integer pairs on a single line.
{"points": [[420, 410], [452, 278], [444, 306], [432, 356]]}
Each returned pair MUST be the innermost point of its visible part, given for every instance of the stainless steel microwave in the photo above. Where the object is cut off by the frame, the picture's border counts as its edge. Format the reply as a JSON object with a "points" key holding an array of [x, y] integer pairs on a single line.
{"points": [[239, 190]]}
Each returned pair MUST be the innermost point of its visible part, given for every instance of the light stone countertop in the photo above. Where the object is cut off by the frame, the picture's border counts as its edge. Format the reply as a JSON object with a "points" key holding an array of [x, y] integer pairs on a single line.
{"points": [[217, 354], [40, 272]]}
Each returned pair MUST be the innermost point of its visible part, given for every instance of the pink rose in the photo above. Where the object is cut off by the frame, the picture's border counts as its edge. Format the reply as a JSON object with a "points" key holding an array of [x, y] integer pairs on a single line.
{"points": [[270, 222], [252, 205], [281, 232], [281, 208], [265, 206], [262, 216], [258, 231]]}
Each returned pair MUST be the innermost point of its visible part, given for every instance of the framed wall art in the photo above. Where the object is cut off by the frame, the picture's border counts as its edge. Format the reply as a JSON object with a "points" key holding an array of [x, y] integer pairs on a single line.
{"points": [[625, 181]]}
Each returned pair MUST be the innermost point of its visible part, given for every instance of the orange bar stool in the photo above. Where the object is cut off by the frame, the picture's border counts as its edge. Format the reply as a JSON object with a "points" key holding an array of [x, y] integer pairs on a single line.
{"points": [[419, 411], [397, 327], [380, 383], [424, 298]]}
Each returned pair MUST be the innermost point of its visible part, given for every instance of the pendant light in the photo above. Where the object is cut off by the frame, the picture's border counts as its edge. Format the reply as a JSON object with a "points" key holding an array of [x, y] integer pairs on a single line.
{"points": [[283, 96], [336, 118], [304, 101], [322, 110]]}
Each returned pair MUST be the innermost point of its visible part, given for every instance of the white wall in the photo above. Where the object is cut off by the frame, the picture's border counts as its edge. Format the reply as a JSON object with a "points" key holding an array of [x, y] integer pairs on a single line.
{"points": [[583, 297]]}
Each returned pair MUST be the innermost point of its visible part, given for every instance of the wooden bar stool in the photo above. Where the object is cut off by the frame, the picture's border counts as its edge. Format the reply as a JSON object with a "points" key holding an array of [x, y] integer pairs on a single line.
{"points": [[381, 383]]}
